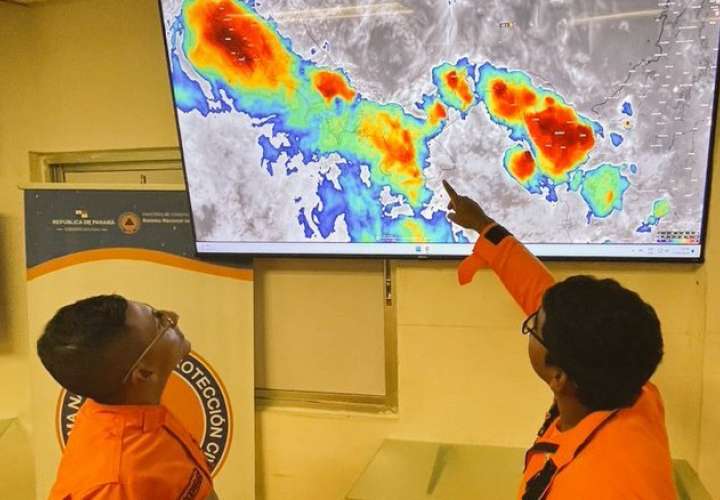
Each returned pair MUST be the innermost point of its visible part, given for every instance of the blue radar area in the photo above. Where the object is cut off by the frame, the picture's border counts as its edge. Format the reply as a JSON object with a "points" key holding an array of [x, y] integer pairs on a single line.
{"points": [[627, 109]]}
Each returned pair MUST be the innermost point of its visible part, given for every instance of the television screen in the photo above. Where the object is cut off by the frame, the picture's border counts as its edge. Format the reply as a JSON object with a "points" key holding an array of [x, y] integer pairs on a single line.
{"points": [[327, 127]]}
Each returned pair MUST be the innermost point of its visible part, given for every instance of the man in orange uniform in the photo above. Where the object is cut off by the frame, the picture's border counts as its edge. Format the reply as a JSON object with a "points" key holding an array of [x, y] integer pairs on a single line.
{"points": [[596, 344], [124, 444]]}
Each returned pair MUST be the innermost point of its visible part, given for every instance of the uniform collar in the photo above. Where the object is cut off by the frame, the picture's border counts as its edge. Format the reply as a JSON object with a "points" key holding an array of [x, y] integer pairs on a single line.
{"points": [[560, 448], [572, 441], [148, 417]]}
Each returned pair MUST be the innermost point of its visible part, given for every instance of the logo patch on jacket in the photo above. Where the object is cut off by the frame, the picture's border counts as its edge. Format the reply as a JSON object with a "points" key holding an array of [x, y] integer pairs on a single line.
{"points": [[197, 398]]}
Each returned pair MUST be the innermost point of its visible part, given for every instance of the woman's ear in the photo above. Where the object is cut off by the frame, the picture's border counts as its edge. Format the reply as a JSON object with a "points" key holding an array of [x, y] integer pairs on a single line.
{"points": [[559, 381]]}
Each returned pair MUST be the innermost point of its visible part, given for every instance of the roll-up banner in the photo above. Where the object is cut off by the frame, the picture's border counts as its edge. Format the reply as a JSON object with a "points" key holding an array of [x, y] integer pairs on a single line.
{"points": [[139, 244]]}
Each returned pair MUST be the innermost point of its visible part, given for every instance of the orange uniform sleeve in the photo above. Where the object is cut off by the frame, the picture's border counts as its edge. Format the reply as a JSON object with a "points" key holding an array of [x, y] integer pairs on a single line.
{"points": [[522, 274]]}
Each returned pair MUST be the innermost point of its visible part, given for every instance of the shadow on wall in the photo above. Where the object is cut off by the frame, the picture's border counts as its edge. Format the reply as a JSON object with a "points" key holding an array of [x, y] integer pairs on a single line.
{"points": [[259, 460], [6, 338], [16, 460]]}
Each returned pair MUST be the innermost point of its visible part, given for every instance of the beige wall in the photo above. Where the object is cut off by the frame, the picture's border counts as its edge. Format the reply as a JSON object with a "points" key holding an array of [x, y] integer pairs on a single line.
{"points": [[74, 75], [16, 71], [90, 75], [709, 439], [464, 377]]}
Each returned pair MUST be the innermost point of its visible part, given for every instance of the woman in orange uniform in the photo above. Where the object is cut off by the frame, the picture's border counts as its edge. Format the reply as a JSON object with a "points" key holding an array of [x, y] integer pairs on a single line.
{"points": [[596, 345]]}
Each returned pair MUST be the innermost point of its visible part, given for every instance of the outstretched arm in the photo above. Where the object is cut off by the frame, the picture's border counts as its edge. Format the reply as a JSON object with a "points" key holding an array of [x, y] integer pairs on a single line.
{"points": [[523, 275]]}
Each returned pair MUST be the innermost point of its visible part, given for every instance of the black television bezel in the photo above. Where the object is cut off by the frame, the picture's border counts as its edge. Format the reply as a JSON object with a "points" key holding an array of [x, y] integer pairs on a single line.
{"points": [[700, 259]]}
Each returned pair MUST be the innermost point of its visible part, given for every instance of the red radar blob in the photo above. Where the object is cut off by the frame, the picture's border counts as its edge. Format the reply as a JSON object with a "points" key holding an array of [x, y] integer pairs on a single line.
{"points": [[437, 113], [459, 86], [511, 103], [401, 151], [560, 137], [332, 85], [245, 44], [522, 166]]}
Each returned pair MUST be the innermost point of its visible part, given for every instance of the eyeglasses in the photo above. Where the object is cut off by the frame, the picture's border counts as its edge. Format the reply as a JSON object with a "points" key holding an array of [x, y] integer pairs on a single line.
{"points": [[167, 321], [529, 327]]}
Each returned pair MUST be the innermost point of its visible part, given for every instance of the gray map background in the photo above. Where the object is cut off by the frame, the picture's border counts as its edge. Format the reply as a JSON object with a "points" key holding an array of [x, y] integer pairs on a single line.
{"points": [[661, 56]]}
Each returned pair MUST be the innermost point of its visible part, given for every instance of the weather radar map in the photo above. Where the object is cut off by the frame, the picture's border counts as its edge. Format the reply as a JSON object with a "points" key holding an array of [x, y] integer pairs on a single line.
{"points": [[326, 127]]}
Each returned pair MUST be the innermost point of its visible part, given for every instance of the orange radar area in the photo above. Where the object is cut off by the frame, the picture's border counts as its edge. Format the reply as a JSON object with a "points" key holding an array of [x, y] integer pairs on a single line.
{"points": [[228, 39], [522, 166], [460, 87], [398, 156], [414, 231], [331, 85], [511, 102], [437, 113], [561, 140]]}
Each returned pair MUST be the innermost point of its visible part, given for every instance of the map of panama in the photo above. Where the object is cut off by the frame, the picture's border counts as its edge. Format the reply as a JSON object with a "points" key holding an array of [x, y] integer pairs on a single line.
{"points": [[301, 144]]}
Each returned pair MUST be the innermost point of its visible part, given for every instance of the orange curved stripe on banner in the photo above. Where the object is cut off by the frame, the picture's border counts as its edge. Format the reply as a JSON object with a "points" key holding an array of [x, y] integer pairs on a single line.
{"points": [[155, 256], [229, 410], [58, 430]]}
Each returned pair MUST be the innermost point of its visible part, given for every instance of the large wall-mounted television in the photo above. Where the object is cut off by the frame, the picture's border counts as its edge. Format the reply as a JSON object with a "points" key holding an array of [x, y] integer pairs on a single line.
{"points": [[326, 127]]}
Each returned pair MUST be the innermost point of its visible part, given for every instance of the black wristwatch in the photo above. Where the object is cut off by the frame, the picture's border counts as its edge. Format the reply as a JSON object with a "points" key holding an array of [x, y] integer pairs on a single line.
{"points": [[496, 234]]}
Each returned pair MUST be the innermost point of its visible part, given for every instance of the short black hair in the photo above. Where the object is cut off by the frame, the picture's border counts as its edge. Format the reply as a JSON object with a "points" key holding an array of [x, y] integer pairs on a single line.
{"points": [[75, 343], [604, 336]]}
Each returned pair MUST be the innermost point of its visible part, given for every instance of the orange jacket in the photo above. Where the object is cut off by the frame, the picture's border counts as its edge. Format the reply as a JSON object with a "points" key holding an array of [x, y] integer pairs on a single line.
{"points": [[609, 455], [130, 453]]}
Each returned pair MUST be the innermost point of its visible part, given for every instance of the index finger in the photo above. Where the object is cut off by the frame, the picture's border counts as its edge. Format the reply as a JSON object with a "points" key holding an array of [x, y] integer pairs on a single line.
{"points": [[450, 191]]}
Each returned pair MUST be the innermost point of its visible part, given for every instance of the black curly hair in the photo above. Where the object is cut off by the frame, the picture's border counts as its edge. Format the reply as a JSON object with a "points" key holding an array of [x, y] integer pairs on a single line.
{"points": [[75, 345], [604, 336]]}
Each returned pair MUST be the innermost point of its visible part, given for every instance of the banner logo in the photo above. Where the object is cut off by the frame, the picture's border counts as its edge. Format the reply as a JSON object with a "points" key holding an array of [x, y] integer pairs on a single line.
{"points": [[129, 223]]}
